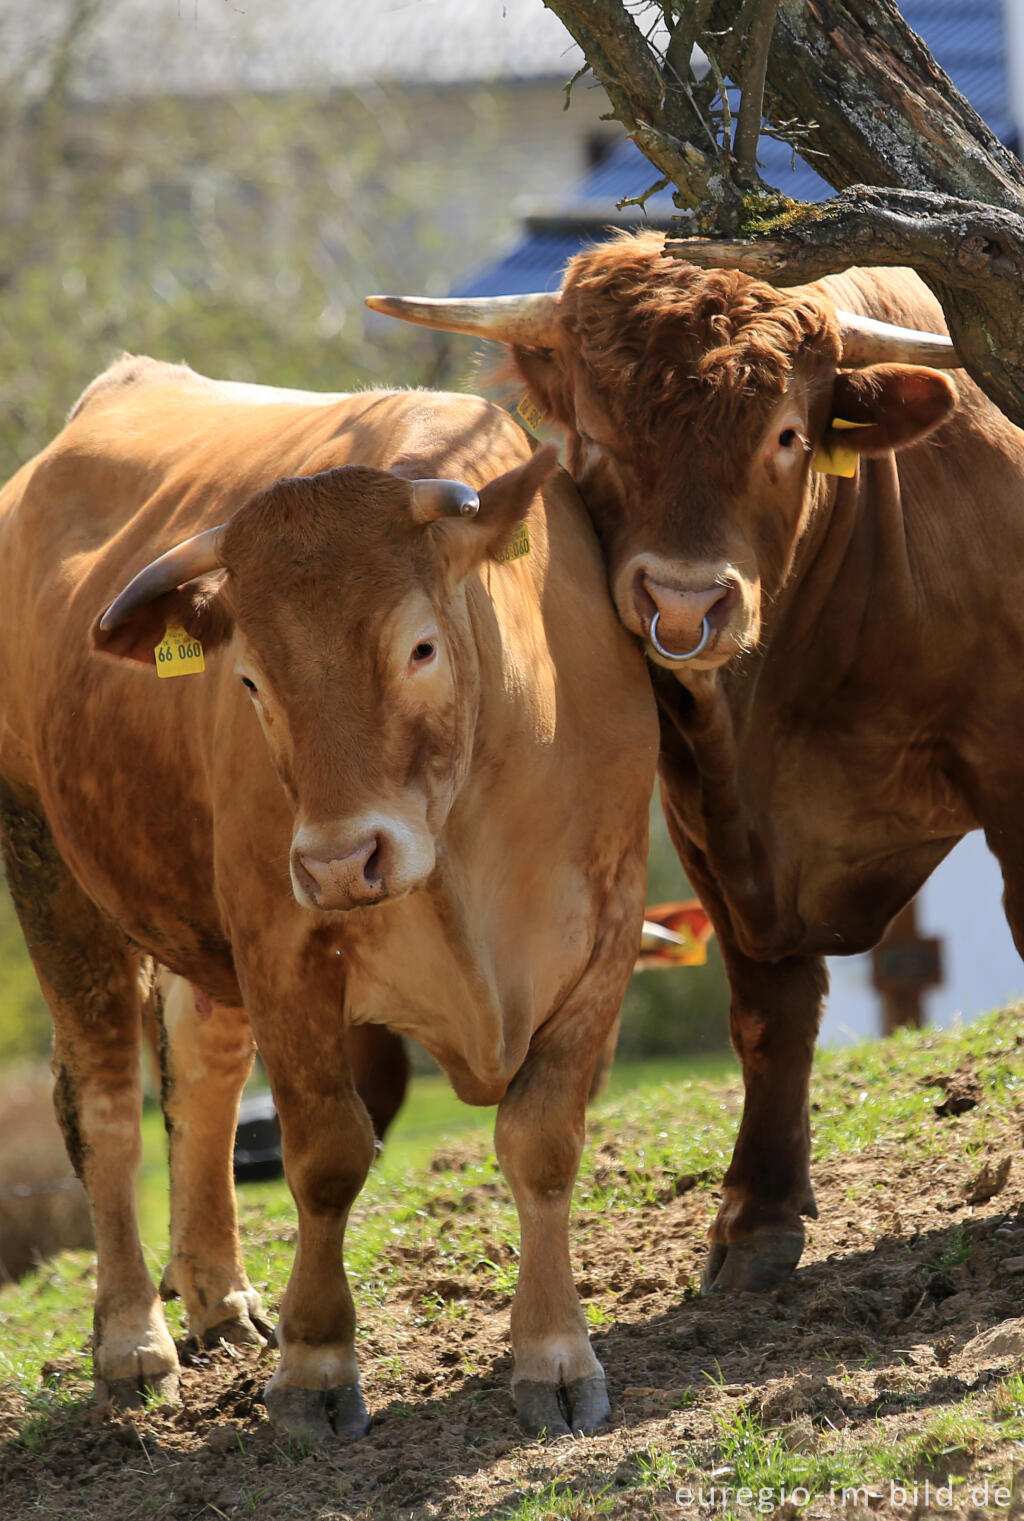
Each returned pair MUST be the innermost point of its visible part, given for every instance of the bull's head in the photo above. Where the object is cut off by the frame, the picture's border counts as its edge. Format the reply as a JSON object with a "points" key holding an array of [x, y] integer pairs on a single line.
{"points": [[694, 403], [339, 601]]}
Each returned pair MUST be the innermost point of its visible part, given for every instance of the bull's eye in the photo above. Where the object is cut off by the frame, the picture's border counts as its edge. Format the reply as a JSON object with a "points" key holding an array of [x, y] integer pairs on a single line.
{"points": [[423, 653], [249, 685], [788, 437]]}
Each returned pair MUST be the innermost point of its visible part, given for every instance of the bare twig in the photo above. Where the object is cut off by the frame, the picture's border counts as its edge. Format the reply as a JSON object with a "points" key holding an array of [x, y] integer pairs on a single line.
{"points": [[641, 200], [685, 35], [751, 111]]}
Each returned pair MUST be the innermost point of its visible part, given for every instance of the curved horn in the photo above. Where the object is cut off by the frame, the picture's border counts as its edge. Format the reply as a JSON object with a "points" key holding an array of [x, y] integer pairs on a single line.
{"points": [[432, 500], [867, 341], [526, 320], [192, 557]]}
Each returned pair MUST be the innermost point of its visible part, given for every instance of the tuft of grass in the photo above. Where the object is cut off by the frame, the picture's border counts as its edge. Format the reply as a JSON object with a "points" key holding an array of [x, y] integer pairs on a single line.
{"points": [[658, 1469], [1008, 1405], [956, 1250], [952, 1436], [41, 1425], [761, 1460], [596, 1314], [558, 1501]]}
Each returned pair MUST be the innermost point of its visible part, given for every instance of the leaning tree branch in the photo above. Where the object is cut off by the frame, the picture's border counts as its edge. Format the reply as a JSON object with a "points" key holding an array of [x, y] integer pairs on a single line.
{"points": [[619, 55], [969, 253], [663, 108]]}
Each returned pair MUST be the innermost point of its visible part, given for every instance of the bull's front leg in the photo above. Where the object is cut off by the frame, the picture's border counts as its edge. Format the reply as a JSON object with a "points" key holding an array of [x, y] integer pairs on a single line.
{"points": [[206, 1053], [758, 1234], [557, 1382], [328, 1144]]}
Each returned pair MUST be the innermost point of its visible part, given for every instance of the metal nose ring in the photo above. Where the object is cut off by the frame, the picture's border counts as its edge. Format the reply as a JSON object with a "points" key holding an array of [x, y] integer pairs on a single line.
{"points": [[652, 634]]}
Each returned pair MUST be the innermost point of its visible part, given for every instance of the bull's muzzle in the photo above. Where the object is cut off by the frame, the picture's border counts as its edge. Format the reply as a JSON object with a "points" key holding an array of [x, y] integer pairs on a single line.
{"points": [[385, 859], [338, 882], [681, 622], [678, 655]]}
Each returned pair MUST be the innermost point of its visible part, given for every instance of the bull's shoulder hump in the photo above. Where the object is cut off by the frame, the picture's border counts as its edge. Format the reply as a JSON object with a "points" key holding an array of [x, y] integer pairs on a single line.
{"points": [[128, 371], [133, 372]]}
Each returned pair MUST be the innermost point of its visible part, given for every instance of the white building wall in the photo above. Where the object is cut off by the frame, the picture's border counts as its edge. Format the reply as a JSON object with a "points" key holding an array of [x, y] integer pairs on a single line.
{"points": [[1013, 23], [962, 903]]}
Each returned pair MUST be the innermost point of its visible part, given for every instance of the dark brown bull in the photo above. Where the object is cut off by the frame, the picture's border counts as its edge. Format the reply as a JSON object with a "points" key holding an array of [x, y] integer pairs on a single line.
{"points": [[837, 659], [394, 797]]}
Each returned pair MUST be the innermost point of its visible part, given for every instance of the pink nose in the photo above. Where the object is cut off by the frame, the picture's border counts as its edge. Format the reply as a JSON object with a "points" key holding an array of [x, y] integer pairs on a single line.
{"points": [[681, 613], [348, 881]]}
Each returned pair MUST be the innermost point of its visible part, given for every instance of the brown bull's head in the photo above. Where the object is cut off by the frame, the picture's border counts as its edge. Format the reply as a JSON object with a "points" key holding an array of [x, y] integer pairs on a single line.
{"points": [[341, 607], [694, 403]]}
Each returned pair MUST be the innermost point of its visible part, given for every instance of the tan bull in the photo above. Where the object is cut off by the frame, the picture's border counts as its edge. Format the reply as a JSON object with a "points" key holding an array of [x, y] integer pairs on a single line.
{"points": [[409, 789]]}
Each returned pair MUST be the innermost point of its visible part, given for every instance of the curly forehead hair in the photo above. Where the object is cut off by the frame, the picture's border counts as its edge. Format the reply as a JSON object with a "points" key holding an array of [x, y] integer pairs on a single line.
{"points": [[671, 345]]}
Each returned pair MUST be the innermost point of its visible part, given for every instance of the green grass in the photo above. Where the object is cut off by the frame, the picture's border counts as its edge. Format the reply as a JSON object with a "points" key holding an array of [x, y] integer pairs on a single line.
{"points": [[952, 1435], [557, 1501]]}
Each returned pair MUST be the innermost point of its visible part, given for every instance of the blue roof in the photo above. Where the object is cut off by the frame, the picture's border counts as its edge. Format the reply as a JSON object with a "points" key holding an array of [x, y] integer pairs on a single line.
{"points": [[966, 39]]}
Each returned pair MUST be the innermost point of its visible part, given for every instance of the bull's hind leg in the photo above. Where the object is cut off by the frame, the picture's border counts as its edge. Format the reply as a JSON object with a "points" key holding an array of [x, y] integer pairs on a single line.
{"points": [[380, 1068], [758, 1235], [206, 1053], [90, 979], [557, 1382]]}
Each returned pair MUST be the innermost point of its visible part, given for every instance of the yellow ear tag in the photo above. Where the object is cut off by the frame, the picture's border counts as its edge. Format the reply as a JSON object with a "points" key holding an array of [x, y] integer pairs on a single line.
{"points": [[517, 546], [529, 414], [837, 460], [178, 654]]}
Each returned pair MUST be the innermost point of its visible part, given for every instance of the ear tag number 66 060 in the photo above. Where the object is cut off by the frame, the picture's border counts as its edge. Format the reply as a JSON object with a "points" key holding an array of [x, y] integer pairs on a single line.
{"points": [[178, 654]]}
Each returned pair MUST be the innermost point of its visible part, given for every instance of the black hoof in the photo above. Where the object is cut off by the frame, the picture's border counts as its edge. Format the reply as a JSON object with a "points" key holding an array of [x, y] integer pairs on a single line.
{"points": [[747, 1267], [588, 1404], [539, 1408], [557, 1410], [319, 1415], [348, 1413]]}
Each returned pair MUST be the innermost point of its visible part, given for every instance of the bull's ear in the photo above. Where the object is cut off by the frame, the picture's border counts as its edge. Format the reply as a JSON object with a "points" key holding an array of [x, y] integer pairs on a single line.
{"points": [[493, 528], [893, 406], [546, 383], [200, 608], [505, 502]]}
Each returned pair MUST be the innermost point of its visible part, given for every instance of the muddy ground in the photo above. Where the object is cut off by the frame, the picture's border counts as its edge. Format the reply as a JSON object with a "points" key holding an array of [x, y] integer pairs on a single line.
{"points": [[906, 1305]]}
